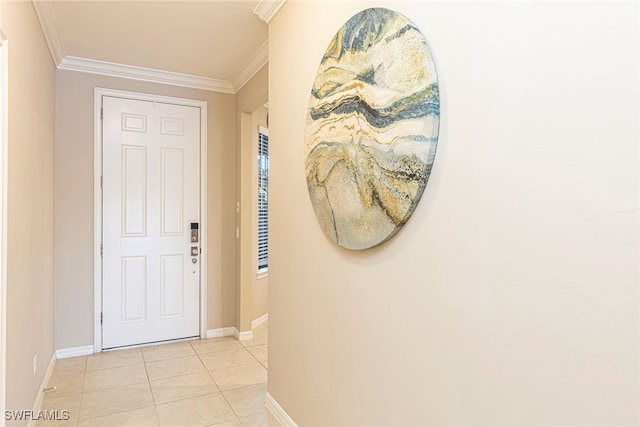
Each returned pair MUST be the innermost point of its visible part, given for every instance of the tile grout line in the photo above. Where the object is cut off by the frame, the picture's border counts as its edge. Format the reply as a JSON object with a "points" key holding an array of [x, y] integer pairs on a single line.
{"points": [[85, 371], [153, 398], [108, 388], [222, 392], [84, 378], [223, 395]]}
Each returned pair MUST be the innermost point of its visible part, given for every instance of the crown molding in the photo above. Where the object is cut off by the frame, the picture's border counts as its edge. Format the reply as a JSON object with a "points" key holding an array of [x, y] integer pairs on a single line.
{"points": [[112, 69], [258, 60], [44, 11], [267, 9]]}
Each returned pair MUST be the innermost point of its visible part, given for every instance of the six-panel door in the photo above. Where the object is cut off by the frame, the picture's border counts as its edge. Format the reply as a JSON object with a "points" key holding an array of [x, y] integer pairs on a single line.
{"points": [[151, 195]]}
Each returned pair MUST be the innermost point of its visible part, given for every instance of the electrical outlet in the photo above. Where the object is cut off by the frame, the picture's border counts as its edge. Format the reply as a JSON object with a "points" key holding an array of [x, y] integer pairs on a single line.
{"points": [[35, 364]]}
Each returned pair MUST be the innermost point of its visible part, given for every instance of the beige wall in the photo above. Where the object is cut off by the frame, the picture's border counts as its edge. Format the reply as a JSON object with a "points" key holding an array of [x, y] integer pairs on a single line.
{"points": [[250, 98], [74, 201], [511, 295], [30, 205]]}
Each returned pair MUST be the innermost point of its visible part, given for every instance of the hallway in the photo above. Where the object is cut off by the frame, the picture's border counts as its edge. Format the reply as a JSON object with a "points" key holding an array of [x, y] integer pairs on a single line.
{"points": [[213, 382], [510, 297]]}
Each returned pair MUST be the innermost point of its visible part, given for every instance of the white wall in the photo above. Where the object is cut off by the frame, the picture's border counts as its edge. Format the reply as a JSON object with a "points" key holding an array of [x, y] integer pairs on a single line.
{"points": [[511, 296]]}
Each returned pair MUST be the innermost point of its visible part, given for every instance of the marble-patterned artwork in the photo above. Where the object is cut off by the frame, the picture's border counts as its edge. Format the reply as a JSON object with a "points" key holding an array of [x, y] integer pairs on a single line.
{"points": [[372, 128]]}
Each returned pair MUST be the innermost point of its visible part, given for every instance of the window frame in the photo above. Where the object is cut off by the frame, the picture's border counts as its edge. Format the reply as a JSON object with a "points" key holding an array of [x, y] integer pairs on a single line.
{"points": [[262, 202]]}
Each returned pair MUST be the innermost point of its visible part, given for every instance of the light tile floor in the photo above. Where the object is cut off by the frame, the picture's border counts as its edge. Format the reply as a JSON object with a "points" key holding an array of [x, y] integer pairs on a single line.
{"points": [[215, 382]]}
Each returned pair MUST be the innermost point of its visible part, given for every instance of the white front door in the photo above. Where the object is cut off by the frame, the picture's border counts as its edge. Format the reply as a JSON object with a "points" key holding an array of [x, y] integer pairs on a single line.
{"points": [[151, 203]]}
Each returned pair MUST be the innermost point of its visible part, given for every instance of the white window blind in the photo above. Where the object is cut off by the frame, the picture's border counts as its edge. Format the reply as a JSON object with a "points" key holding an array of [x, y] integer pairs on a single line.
{"points": [[263, 198]]}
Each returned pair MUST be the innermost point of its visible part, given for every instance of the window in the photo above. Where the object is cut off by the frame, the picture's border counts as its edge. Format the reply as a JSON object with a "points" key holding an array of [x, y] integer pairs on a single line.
{"points": [[263, 199]]}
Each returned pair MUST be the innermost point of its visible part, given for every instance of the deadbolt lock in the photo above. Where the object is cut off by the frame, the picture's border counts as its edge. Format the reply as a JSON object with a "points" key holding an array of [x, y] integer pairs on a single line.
{"points": [[194, 232]]}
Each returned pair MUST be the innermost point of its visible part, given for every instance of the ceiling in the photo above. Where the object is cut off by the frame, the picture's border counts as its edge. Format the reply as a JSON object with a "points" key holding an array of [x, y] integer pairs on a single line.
{"points": [[211, 44]]}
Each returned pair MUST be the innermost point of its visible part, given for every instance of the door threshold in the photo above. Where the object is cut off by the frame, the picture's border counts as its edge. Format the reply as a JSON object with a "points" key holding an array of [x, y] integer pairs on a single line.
{"points": [[151, 344]]}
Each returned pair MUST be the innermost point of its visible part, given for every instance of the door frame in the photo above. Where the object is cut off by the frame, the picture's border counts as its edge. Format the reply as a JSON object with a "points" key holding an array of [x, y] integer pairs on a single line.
{"points": [[97, 200]]}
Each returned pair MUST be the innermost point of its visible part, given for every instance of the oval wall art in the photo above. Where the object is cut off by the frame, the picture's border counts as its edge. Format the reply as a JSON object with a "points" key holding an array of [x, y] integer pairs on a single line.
{"points": [[372, 128]]}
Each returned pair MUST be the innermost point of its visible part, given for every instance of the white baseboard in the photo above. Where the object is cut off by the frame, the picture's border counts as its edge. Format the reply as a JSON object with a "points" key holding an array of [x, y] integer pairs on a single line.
{"points": [[221, 332], [65, 353], [243, 336], [278, 412], [260, 321], [233, 332], [37, 404]]}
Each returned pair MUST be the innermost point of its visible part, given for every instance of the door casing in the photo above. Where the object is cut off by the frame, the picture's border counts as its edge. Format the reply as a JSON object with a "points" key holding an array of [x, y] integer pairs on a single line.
{"points": [[97, 201]]}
